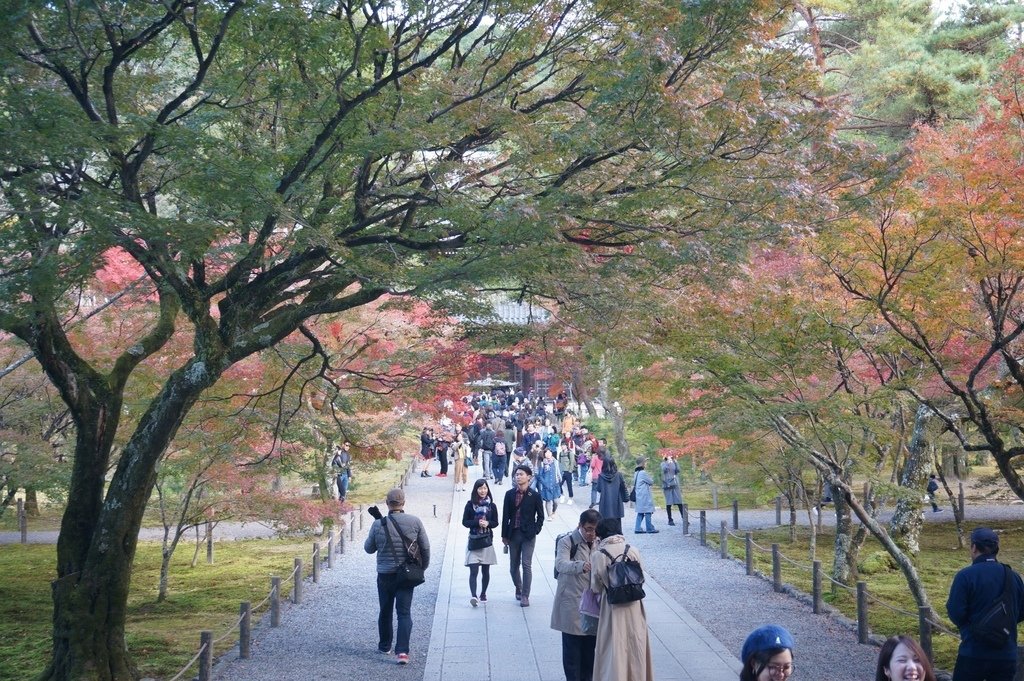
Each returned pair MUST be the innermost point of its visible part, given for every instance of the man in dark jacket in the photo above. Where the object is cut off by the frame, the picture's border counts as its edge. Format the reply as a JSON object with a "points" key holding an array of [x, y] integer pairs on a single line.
{"points": [[487, 449], [973, 592], [522, 518]]}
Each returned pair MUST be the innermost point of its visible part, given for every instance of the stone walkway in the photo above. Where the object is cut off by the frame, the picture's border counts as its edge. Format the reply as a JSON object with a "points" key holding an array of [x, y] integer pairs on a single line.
{"points": [[500, 640]]}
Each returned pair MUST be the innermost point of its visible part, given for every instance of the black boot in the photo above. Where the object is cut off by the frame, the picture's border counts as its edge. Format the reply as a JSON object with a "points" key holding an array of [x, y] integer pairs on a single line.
{"points": [[668, 509]]}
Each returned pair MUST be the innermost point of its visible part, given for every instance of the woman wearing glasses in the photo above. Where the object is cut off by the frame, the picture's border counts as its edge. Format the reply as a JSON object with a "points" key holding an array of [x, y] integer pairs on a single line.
{"points": [[767, 654]]}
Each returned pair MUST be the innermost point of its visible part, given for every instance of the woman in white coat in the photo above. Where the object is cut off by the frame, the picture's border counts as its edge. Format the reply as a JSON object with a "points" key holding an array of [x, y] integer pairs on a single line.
{"points": [[623, 648]]}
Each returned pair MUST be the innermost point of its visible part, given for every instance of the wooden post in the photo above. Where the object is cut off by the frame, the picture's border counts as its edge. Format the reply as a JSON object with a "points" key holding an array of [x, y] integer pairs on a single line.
{"points": [[735, 514], [435, 510], [245, 631], [778, 510], [816, 586], [703, 528], [330, 550], [209, 543], [352, 531], [341, 542], [360, 516], [275, 601], [205, 655], [723, 540], [863, 631], [714, 497], [963, 508], [925, 632], [750, 553], [686, 519], [297, 590], [316, 562], [22, 521], [776, 568]]}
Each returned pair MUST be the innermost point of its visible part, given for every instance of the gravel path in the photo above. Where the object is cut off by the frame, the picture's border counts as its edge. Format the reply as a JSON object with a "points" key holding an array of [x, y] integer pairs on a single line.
{"points": [[333, 633]]}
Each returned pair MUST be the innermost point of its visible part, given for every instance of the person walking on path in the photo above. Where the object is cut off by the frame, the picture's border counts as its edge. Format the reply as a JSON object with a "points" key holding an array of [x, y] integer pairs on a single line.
{"points": [[426, 449], [487, 440], [567, 465], [974, 591], [612, 490], [522, 517], [481, 517], [463, 453], [385, 538], [623, 650], [933, 487], [643, 486], [767, 654], [573, 566], [342, 465], [670, 487], [499, 460], [596, 466], [548, 479]]}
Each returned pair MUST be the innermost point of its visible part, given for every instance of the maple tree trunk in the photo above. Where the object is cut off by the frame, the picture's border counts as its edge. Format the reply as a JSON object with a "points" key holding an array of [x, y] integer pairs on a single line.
{"points": [[905, 526], [98, 537], [31, 502], [842, 546]]}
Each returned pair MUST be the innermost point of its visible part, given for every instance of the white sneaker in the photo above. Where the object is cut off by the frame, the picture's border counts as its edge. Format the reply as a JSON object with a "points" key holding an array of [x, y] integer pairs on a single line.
{"points": [[570, 502], [561, 499], [473, 601]]}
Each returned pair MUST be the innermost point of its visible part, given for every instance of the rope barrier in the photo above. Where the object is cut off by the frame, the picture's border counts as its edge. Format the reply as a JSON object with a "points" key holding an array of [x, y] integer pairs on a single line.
{"points": [[893, 608], [227, 633], [191, 662], [265, 600], [938, 626]]}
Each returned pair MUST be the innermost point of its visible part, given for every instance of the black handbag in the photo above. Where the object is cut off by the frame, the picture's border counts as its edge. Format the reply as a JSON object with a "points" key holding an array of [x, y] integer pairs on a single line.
{"points": [[480, 541], [410, 573]]}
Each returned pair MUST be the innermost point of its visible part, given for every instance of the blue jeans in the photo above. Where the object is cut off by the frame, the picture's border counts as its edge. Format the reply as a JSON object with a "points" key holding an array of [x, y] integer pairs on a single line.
{"points": [[342, 486], [485, 459], [641, 517], [584, 472], [498, 464], [392, 599]]}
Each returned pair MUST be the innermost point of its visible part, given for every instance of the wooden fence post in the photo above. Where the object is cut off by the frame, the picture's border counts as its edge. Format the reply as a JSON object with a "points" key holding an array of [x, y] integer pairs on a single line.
{"points": [[22, 521], [735, 514], [245, 631], [776, 568], [209, 543], [816, 586], [750, 553], [360, 516], [925, 632], [275, 601], [723, 540], [205, 655], [297, 589], [963, 508], [686, 519], [316, 562], [778, 510], [703, 528], [863, 630], [330, 550]]}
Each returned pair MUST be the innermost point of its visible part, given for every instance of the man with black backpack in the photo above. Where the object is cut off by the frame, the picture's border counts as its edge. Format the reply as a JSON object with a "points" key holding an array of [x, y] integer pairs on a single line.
{"points": [[986, 601], [572, 571]]}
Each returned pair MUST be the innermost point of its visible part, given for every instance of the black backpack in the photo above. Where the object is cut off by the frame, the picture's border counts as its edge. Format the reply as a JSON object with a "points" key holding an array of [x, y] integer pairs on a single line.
{"points": [[625, 579], [573, 548], [996, 625]]}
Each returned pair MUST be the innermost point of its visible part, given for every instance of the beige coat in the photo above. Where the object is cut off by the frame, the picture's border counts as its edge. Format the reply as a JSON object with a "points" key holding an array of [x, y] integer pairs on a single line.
{"points": [[565, 615], [623, 647]]}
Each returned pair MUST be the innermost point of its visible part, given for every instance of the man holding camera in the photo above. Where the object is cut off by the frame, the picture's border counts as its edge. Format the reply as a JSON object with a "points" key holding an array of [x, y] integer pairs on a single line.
{"points": [[390, 538]]}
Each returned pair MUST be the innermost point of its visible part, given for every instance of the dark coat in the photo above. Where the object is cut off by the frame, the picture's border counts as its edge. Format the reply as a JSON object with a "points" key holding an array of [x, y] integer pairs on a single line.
{"points": [[531, 513], [613, 492], [974, 590]]}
